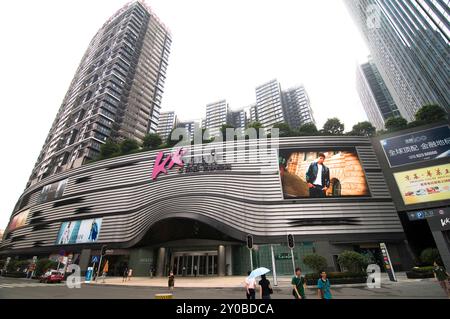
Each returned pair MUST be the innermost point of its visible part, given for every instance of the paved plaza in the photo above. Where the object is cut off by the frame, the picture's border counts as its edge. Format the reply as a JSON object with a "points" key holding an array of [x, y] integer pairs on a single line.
{"points": [[210, 288]]}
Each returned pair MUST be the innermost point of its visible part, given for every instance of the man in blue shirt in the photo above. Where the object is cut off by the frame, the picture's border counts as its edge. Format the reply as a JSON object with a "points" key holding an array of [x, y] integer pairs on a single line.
{"points": [[323, 286]]}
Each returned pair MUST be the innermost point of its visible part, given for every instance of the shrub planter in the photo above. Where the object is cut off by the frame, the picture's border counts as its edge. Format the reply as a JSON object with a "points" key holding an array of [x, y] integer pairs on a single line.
{"points": [[337, 278], [16, 274], [420, 272]]}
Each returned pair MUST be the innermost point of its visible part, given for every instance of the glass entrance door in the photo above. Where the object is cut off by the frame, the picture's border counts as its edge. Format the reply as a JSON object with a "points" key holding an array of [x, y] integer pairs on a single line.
{"points": [[201, 263]]}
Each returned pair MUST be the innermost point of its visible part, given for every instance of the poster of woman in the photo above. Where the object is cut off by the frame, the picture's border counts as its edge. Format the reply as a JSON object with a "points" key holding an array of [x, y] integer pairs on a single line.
{"points": [[79, 231]]}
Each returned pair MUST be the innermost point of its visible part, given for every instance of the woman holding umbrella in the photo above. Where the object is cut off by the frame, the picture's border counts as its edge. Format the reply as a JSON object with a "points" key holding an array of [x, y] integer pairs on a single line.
{"points": [[250, 282]]}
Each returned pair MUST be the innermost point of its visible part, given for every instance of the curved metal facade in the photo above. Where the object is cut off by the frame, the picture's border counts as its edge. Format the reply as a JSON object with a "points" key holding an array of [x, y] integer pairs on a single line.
{"points": [[247, 199]]}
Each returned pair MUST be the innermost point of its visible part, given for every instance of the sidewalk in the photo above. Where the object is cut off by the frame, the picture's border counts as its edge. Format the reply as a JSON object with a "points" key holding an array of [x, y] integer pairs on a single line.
{"points": [[228, 281]]}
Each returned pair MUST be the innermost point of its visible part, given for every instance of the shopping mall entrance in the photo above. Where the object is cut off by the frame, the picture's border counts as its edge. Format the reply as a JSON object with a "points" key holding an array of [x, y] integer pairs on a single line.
{"points": [[188, 247], [201, 263]]}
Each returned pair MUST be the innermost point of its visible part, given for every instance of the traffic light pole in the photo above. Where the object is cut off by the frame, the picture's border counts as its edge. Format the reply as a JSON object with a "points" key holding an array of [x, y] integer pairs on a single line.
{"points": [[275, 281], [251, 260], [293, 260]]}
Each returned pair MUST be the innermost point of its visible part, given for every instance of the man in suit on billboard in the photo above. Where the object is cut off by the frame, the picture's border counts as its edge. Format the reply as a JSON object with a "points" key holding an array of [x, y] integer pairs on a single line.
{"points": [[318, 177]]}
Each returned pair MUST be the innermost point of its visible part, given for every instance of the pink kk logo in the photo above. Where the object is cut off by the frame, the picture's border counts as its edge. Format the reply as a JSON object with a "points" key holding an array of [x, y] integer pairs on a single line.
{"points": [[172, 159]]}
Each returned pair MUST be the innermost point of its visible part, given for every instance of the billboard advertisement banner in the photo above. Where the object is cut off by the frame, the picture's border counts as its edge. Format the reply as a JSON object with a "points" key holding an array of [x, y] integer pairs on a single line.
{"points": [[52, 191], [419, 146], [19, 220], [321, 174], [79, 231], [424, 185]]}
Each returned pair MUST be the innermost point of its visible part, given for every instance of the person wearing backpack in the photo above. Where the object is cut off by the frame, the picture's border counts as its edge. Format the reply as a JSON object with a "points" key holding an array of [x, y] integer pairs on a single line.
{"points": [[298, 285], [323, 286]]}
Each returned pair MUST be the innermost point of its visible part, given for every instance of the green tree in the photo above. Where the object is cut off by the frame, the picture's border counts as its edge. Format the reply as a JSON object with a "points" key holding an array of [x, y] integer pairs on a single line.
{"points": [[205, 138], [42, 265], [308, 129], [128, 146], [363, 129], [430, 113], [172, 142], [393, 124], [151, 141], [17, 265], [333, 126], [223, 131], [284, 129], [257, 126], [315, 262], [109, 149], [353, 261], [429, 256]]}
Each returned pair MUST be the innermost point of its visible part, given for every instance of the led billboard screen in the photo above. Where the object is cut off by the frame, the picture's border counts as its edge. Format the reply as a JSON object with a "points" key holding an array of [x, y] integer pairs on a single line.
{"points": [[316, 174]]}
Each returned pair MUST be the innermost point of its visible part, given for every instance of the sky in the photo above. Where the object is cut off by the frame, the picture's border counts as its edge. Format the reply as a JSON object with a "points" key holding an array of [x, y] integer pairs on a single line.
{"points": [[221, 49]]}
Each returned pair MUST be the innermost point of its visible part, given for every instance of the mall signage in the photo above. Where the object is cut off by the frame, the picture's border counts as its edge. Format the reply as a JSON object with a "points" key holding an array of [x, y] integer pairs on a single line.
{"points": [[164, 163], [419, 146], [387, 262], [441, 220]]}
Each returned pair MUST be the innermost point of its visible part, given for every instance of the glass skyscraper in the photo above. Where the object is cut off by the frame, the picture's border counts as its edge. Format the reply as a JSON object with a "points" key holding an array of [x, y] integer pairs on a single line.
{"points": [[409, 43], [375, 97]]}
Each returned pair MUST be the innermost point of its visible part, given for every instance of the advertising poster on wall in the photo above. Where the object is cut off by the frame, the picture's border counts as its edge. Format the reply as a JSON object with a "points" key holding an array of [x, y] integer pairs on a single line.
{"points": [[52, 191], [19, 220], [321, 174], [79, 231], [419, 146], [424, 185]]}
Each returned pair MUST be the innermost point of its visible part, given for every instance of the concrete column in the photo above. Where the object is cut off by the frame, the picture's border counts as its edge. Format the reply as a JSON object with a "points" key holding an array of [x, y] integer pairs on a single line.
{"points": [[443, 247], [221, 260], [160, 262], [229, 260]]}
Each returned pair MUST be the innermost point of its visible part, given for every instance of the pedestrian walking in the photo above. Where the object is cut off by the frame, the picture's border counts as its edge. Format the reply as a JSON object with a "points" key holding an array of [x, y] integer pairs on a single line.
{"points": [[442, 277], [151, 272], [250, 284], [130, 273], [195, 270], [298, 285], [265, 289], [104, 276], [125, 274], [171, 281], [323, 286]]}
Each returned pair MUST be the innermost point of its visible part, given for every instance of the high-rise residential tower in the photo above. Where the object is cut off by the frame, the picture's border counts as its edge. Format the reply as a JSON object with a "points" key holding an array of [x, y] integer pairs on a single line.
{"points": [[375, 97], [269, 106], [217, 114], [409, 43], [252, 114], [297, 107], [167, 122], [190, 126], [115, 94], [238, 119]]}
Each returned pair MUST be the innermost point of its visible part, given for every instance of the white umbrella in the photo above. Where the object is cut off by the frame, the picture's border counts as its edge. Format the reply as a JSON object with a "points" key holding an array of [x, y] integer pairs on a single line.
{"points": [[258, 272]]}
